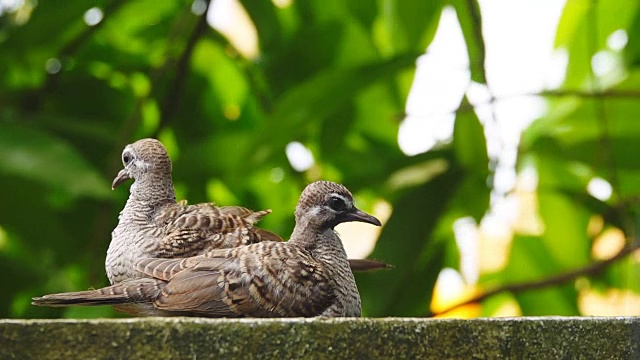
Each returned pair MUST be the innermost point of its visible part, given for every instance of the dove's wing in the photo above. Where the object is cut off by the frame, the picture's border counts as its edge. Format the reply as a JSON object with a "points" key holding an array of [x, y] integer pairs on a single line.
{"points": [[189, 230], [263, 280]]}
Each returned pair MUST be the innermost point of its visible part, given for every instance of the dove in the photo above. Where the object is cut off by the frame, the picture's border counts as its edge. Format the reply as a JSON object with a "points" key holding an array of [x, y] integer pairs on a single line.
{"points": [[307, 276], [153, 224]]}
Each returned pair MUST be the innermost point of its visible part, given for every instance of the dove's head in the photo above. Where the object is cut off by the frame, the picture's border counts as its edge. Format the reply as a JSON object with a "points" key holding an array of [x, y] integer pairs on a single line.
{"points": [[327, 204], [143, 158]]}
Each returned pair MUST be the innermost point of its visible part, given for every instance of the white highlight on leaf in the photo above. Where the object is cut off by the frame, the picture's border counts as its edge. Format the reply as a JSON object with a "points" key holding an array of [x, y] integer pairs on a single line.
{"points": [[53, 66], [277, 175], [617, 40], [600, 188], [300, 158], [10, 6], [282, 4], [231, 19], [603, 62], [198, 7], [93, 16]]}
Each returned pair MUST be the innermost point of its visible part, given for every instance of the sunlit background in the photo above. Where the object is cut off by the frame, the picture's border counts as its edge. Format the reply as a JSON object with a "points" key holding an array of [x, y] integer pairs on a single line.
{"points": [[522, 61]]}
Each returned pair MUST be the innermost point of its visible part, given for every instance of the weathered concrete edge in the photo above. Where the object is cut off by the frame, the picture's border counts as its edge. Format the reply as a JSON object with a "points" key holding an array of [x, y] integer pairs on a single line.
{"points": [[174, 338]]}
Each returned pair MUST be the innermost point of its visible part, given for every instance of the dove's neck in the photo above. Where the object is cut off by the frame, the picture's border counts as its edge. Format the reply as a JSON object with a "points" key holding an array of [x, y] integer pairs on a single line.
{"points": [[319, 240], [151, 192], [134, 237], [324, 244]]}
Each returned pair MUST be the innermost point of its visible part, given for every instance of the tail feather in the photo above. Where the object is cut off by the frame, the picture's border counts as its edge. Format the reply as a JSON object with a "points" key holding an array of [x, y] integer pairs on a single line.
{"points": [[86, 298], [364, 265], [134, 291]]}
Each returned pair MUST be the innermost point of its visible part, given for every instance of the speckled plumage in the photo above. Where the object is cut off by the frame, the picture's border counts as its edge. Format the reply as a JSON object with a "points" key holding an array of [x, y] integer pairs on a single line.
{"points": [[153, 224], [307, 276]]}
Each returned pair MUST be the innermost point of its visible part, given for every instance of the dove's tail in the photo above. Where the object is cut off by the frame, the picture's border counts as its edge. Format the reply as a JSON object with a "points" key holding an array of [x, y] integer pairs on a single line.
{"points": [[363, 265], [133, 291]]}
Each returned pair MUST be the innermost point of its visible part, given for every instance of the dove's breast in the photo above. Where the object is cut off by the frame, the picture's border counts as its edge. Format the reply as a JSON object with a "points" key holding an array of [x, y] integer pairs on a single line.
{"points": [[134, 238]]}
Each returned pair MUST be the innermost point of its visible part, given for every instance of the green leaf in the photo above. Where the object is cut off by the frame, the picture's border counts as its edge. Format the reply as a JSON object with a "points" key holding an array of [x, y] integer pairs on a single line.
{"points": [[406, 242], [321, 96], [529, 260], [227, 81], [335, 129], [36, 155], [565, 229], [469, 143], [470, 19], [624, 274], [265, 18], [632, 50], [411, 24], [583, 31]]}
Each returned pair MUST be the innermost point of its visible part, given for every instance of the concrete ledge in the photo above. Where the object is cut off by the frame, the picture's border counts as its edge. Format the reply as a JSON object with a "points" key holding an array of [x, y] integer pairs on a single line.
{"points": [[394, 338]]}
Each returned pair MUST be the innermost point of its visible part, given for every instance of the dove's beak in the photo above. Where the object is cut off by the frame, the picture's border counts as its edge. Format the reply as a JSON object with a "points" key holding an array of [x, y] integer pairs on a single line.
{"points": [[122, 176], [359, 215]]}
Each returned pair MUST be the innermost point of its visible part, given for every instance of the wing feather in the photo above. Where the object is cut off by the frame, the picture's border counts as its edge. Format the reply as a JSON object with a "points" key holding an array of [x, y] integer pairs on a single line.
{"points": [[260, 280]]}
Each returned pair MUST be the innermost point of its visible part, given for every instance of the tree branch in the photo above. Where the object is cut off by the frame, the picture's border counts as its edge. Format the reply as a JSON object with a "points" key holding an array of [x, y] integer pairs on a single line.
{"points": [[559, 279], [171, 100], [589, 94]]}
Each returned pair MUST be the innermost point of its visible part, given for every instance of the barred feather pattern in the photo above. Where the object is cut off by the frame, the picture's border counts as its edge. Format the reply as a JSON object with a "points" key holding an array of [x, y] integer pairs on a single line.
{"points": [[168, 258], [153, 224], [307, 276], [131, 297], [267, 279]]}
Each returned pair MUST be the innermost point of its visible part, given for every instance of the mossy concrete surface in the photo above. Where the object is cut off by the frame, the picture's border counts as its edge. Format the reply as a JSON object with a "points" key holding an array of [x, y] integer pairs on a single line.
{"points": [[390, 338]]}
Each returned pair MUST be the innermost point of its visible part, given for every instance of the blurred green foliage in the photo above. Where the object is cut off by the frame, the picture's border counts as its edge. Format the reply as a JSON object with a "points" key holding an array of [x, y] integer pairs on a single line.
{"points": [[331, 74]]}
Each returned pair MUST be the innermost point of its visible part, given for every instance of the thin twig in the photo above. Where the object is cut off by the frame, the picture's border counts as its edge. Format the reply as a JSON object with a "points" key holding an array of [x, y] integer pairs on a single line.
{"points": [[171, 100], [559, 279], [588, 94]]}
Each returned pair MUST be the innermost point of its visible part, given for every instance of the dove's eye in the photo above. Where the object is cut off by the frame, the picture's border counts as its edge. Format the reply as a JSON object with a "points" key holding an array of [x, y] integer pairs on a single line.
{"points": [[337, 204], [126, 158]]}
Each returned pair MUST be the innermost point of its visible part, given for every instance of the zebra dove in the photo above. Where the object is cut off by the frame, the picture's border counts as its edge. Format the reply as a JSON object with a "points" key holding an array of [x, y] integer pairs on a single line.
{"points": [[307, 276], [153, 224]]}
